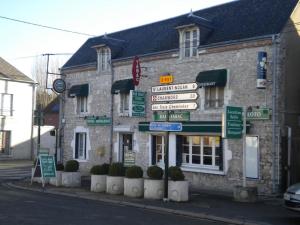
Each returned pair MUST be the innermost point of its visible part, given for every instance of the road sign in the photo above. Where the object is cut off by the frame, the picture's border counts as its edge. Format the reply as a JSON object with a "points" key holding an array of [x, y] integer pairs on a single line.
{"points": [[233, 122], [175, 87], [175, 106], [174, 97], [165, 126]]}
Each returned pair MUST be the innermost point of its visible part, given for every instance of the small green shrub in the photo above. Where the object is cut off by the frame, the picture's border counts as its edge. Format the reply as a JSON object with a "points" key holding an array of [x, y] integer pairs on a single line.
{"points": [[175, 173], [155, 172], [134, 172], [72, 166], [100, 169], [60, 167], [116, 170]]}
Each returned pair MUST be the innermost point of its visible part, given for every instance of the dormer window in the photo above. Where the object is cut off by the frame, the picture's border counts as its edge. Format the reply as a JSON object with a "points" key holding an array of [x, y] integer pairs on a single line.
{"points": [[189, 41], [104, 58]]}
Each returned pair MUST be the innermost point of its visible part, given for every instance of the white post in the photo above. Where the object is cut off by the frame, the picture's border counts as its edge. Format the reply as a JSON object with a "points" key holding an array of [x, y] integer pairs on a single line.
{"points": [[244, 146]]}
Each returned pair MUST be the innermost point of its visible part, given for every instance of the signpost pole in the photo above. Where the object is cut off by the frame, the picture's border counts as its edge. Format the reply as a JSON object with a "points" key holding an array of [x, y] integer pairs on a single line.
{"points": [[244, 146], [166, 162]]}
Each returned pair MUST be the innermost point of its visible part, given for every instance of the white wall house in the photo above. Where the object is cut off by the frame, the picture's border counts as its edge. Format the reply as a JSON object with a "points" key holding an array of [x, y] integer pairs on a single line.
{"points": [[17, 93]]}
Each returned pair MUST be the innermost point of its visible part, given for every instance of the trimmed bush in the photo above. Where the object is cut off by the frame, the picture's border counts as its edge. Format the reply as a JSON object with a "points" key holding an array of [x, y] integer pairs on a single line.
{"points": [[60, 167], [116, 170], [155, 172], [72, 166], [175, 173], [134, 172], [100, 169]]}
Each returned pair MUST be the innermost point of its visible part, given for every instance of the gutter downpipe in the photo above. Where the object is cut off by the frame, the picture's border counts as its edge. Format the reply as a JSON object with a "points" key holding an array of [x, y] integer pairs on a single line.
{"points": [[275, 147], [112, 116]]}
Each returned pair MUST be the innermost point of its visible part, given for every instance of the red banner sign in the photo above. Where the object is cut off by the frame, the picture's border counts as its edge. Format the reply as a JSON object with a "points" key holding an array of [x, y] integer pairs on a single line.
{"points": [[136, 71]]}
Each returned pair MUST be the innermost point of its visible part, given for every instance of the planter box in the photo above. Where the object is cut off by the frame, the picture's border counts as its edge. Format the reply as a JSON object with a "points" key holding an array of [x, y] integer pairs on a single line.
{"points": [[134, 187], [98, 183], [153, 189], [178, 191], [71, 179], [115, 185], [56, 181]]}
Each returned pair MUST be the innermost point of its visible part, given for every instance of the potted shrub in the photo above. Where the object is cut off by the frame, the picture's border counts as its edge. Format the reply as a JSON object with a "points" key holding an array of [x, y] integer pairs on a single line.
{"points": [[98, 177], [71, 177], [115, 179], [178, 189], [58, 179], [134, 182], [154, 186]]}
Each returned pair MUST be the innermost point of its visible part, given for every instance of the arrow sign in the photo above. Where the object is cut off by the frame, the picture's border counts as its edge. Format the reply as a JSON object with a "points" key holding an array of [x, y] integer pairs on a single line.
{"points": [[174, 97], [175, 87], [161, 126], [175, 106]]}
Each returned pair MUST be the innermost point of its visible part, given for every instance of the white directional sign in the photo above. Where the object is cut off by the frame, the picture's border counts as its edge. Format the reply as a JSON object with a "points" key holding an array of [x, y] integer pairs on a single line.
{"points": [[175, 106], [175, 87], [174, 97]]}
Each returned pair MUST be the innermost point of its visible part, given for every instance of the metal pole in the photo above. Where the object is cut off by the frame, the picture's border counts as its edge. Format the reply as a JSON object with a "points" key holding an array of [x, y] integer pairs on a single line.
{"points": [[244, 146], [39, 130], [289, 156], [166, 159]]}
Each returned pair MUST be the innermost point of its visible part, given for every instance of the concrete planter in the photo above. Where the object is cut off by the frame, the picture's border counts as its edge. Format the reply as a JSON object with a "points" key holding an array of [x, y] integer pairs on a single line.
{"points": [[71, 179], [153, 189], [98, 183], [245, 194], [115, 185], [178, 191], [56, 181], [134, 187]]}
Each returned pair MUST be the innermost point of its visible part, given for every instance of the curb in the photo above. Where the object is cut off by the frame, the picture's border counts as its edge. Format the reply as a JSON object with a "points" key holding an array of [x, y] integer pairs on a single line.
{"points": [[144, 206]]}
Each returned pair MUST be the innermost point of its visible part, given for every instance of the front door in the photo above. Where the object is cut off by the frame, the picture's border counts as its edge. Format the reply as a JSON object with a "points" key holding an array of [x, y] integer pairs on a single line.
{"points": [[125, 144]]}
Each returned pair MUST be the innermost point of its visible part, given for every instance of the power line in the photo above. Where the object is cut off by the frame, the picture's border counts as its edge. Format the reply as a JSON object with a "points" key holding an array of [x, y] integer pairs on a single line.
{"points": [[33, 56], [44, 26]]}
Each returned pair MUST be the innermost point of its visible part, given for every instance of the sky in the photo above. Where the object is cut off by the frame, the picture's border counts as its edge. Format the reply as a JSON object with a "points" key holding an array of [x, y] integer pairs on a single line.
{"points": [[22, 44]]}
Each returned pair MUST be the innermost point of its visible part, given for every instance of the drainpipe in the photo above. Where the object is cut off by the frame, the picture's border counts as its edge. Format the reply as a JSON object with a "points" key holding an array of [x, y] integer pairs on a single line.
{"points": [[112, 116], [275, 155]]}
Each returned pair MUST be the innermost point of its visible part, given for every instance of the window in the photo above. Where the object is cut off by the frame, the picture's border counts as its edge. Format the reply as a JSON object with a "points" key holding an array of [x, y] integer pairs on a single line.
{"points": [[80, 146], [4, 142], [201, 151], [190, 42], [82, 104], [158, 147], [6, 104], [214, 97], [124, 103], [104, 57]]}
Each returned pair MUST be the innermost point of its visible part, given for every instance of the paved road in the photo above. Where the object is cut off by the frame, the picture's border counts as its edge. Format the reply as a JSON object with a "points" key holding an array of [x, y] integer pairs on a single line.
{"points": [[14, 173], [31, 208]]}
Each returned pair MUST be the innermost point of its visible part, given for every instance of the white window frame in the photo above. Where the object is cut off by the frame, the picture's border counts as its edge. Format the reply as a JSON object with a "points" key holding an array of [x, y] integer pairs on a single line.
{"points": [[213, 166], [189, 46], [6, 111], [82, 104], [217, 101], [104, 59], [81, 147], [162, 146]]}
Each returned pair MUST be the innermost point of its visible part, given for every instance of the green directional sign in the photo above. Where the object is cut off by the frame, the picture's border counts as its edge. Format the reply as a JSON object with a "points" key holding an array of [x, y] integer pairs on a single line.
{"points": [[47, 164], [98, 121], [138, 104], [233, 122]]}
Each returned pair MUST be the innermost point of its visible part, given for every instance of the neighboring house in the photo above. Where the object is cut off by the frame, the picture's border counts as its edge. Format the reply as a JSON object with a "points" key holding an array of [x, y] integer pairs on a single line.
{"points": [[218, 48], [51, 113], [17, 93]]}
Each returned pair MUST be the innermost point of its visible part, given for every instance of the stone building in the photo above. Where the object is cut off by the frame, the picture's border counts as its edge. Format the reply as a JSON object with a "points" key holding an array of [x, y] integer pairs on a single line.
{"points": [[219, 49]]}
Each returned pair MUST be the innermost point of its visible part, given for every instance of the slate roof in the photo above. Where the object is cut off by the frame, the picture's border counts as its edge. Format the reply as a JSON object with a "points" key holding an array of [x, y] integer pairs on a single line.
{"points": [[52, 107], [7, 71], [227, 22]]}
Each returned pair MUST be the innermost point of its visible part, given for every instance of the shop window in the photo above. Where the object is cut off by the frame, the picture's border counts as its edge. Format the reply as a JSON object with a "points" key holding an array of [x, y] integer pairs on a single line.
{"points": [[4, 142], [124, 104], [80, 146], [104, 57], [158, 147], [203, 151], [6, 104], [189, 42], [82, 104], [214, 97]]}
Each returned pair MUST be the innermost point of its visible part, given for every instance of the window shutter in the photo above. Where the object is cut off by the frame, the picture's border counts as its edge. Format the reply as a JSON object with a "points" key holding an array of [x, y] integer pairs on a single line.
{"points": [[153, 150], [221, 155], [76, 145], [179, 150]]}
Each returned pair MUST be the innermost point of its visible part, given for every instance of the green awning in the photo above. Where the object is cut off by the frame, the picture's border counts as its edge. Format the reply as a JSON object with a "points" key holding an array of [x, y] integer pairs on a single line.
{"points": [[79, 90], [212, 78], [214, 127], [122, 86]]}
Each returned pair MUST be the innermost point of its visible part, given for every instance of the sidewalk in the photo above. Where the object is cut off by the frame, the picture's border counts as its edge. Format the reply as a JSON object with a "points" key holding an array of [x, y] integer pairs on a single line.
{"points": [[203, 205]]}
